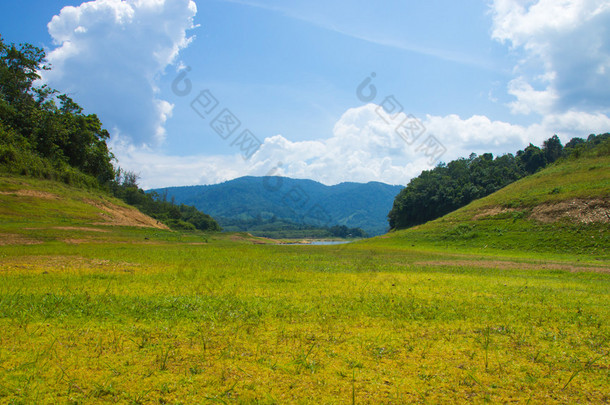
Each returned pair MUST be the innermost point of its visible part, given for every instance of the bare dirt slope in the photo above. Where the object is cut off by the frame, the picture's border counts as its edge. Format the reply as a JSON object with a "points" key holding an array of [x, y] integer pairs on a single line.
{"points": [[113, 214], [577, 210]]}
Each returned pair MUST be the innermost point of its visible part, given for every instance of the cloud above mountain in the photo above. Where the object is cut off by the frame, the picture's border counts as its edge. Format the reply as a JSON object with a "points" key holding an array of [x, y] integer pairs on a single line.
{"points": [[364, 147]]}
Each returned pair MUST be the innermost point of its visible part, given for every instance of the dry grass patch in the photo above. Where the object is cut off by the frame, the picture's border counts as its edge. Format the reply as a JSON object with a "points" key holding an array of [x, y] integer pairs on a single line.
{"points": [[81, 228], [492, 212], [61, 264], [31, 193], [508, 265], [16, 239]]}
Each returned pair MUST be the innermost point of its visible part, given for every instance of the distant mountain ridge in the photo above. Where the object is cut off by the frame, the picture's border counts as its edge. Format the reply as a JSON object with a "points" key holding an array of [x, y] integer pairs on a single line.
{"points": [[355, 205]]}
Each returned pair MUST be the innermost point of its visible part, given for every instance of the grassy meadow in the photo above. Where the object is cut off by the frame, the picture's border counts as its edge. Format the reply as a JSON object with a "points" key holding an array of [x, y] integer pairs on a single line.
{"points": [[93, 313]]}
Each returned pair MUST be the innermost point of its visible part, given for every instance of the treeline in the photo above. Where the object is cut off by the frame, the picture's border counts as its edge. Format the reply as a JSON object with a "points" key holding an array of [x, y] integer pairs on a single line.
{"points": [[178, 217], [45, 134], [447, 187], [282, 228]]}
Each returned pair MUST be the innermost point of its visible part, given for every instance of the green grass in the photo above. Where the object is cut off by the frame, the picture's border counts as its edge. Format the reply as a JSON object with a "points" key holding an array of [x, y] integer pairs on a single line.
{"points": [[136, 315], [582, 178], [237, 322], [513, 230]]}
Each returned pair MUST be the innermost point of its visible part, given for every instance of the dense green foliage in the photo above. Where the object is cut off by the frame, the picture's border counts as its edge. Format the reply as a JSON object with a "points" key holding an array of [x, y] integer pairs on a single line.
{"points": [[38, 136], [175, 216], [240, 203], [448, 187], [343, 231], [46, 135]]}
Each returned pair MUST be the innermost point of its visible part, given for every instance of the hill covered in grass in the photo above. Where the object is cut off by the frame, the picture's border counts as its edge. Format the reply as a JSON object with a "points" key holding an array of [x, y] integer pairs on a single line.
{"points": [[34, 211], [451, 186], [564, 208]]}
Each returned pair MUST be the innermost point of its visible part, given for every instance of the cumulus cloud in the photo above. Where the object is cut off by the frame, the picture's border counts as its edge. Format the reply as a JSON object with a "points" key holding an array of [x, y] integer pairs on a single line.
{"points": [[363, 147], [107, 46], [109, 55], [566, 44]]}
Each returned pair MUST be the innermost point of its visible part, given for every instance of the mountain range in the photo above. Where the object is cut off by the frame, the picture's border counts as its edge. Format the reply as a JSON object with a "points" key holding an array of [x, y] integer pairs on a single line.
{"points": [[355, 205]]}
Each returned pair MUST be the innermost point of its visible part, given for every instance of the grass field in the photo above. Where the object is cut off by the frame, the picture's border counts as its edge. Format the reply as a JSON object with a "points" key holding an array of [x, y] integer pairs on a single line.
{"points": [[95, 313]]}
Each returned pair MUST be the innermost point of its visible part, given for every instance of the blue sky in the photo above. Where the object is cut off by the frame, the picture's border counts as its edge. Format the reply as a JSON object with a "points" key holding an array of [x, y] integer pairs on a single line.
{"points": [[471, 76]]}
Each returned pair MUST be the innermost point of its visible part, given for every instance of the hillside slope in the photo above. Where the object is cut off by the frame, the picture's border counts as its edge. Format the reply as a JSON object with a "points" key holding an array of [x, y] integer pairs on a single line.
{"points": [[355, 205], [33, 211], [562, 209]]}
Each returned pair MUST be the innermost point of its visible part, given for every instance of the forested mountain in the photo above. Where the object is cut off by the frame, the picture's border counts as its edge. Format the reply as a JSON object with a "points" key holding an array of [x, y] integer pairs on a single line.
{"points": [[355, 205], [447, 187]]}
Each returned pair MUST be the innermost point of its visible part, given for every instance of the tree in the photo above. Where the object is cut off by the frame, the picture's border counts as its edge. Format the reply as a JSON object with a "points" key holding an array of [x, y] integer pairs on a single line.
{"points": [[552, 149], [532, 158], [63, 135]]}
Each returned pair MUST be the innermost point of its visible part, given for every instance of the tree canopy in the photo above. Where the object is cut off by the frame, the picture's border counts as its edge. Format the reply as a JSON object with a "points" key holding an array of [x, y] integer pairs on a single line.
{"points": [[448, 187], [37, 122]]}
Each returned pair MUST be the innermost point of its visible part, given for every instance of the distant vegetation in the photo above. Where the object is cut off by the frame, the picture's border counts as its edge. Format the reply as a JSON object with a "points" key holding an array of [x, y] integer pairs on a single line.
{"points": [[269, 204], [448, 187], [283, 229], [46, 135], [183, 217]]}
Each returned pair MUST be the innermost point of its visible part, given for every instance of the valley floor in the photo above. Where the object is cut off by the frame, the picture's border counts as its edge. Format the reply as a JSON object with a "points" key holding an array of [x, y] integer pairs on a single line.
{"points": [[89, 315]]}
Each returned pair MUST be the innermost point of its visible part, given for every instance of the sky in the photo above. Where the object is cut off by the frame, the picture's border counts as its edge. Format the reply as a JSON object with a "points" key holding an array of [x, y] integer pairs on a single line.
{"points": [[204, 91]]}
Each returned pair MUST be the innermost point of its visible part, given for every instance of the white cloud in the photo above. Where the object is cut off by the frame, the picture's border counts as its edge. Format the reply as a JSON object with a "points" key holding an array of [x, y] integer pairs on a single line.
{"points": [[563, 77], [363, 148], [110, 54], [566, 46], [530, 99]]}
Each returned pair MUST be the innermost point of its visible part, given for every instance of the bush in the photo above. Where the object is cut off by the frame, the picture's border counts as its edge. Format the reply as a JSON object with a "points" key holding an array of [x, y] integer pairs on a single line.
{"points": [[179, 225]]}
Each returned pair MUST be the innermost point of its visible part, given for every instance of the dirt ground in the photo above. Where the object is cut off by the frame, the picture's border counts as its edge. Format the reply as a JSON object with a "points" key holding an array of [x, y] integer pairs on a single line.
{"points": [[123, 216], [577, 210]]}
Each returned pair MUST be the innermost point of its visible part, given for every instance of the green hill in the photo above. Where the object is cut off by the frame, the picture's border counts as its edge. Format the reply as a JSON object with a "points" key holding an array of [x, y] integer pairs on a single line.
{"points": [[298, 201], [564, 208], [34, 211]]}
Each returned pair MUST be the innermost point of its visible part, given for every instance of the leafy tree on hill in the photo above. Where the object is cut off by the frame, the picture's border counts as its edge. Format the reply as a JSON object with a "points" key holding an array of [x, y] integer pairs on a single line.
{"points": [[552, 149], [448, 187], [46, 134], [532, 158], [34, 126]]}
